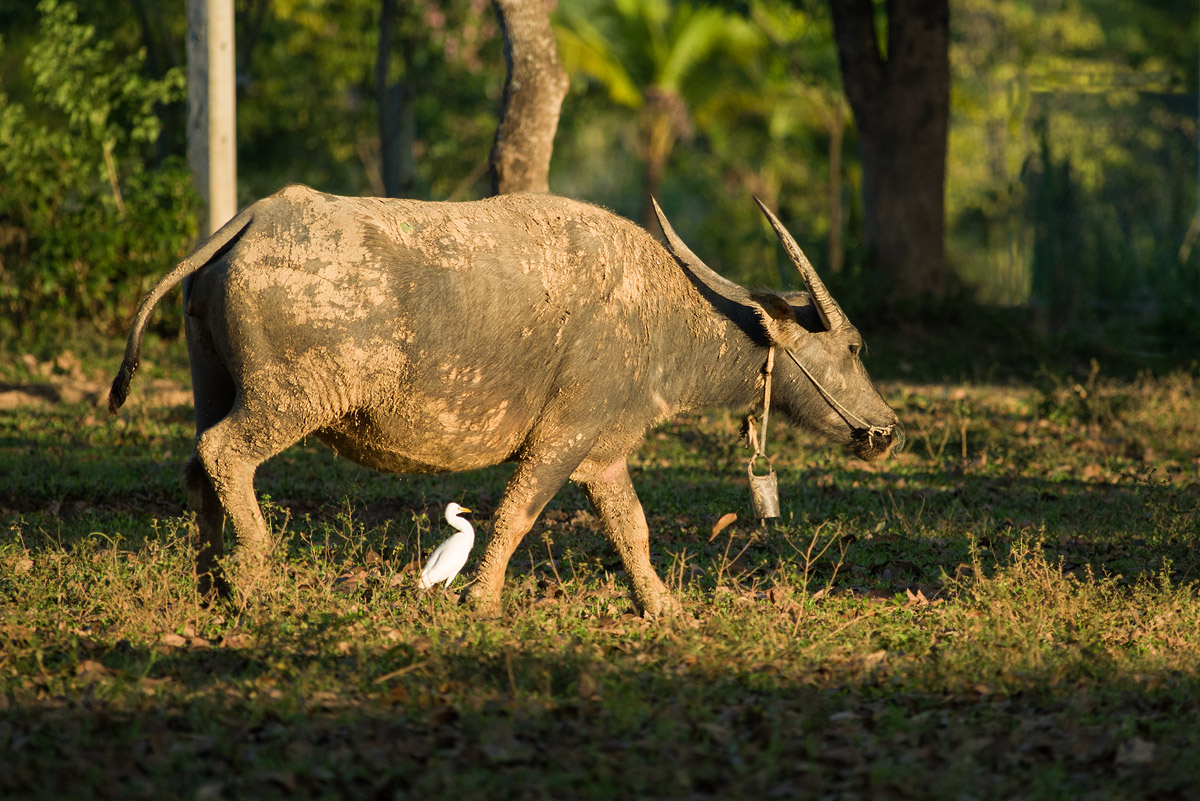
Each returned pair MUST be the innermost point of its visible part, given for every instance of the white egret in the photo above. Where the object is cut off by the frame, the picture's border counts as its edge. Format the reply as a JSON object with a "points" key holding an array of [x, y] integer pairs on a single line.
{"points": [[449, 557]]}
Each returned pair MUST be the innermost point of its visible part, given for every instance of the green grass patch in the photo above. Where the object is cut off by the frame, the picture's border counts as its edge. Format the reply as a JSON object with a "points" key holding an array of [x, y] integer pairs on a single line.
{"points": [[1008, 609]]}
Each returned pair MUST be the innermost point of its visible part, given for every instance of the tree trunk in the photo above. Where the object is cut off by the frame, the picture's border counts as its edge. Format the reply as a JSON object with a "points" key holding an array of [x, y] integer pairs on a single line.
{"points": [[837, 135], [212, 121], [397, 137], [658, 135], [397, 117], [901, 105], [533, 94]]}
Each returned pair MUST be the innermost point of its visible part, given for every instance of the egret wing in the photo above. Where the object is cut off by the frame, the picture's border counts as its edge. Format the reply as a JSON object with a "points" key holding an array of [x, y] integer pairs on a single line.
{"points": [[445, 562]]}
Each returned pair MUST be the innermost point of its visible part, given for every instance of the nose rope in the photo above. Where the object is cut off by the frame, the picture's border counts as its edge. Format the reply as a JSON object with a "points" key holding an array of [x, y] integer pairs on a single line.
{"points": [[846, 414]]}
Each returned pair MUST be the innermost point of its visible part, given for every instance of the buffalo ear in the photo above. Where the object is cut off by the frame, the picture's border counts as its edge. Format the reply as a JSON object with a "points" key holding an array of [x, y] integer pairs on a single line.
{"points": [[775, 313], [774, 305]]}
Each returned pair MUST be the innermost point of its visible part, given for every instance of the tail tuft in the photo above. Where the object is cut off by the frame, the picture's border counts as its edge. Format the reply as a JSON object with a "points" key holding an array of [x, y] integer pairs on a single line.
{"points": [[119, 390]]}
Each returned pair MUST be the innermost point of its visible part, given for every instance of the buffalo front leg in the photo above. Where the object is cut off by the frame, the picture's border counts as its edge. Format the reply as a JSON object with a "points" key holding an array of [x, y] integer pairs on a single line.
{"points": [[529, 490], [624, 522]]}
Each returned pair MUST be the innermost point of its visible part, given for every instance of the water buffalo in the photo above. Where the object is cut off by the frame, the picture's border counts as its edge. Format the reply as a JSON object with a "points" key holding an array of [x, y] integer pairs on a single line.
{"points": [[419, 337]]}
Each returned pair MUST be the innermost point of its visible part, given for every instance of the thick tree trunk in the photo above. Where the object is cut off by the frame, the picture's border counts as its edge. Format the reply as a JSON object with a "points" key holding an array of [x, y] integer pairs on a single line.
{"points": [[901, 105], [397, 118], [533, 95], [837, 135]]}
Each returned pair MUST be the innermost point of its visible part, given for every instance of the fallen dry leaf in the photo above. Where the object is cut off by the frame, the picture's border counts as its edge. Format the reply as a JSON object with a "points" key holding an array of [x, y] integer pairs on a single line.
{"points": [[725, 522], [210, 791], [780, 598], [1134, 751], [236, 639], [90, 668], [589, 688]]}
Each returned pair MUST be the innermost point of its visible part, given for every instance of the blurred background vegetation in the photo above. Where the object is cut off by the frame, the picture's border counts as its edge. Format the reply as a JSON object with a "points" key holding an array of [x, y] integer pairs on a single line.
{"points": [[1071, 189]]}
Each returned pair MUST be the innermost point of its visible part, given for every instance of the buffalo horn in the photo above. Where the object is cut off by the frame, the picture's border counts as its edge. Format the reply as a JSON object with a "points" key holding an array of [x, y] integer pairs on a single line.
{"points": [[715, 281], [831, 313]]}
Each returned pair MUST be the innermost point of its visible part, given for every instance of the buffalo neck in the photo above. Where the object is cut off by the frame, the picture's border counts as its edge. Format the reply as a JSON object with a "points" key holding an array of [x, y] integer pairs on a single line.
{"points": [[726, 369]]}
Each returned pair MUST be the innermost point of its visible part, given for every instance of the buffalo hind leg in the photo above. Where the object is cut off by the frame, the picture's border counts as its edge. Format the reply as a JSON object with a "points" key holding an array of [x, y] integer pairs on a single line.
{"points": [[229, 453], [214, 392], [210, 529], [624, 522]]}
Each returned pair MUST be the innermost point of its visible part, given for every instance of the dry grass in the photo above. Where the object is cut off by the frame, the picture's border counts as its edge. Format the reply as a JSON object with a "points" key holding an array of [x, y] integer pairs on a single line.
{"points": [[1007, 610]]}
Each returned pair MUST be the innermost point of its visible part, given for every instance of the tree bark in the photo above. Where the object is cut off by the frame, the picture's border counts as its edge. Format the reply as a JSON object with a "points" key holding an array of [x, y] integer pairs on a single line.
{"points": [[397, 117], [901, 104], [212, 119], [534, 89], [837, 135], [658, 139]]}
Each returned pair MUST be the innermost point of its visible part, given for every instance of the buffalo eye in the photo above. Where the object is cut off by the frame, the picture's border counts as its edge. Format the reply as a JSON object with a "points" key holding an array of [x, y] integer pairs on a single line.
{"points": [[855, 347]]}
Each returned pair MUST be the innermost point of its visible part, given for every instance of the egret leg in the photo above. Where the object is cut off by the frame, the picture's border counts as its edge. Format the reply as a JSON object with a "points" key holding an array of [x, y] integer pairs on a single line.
{"points": [[625, 525]]}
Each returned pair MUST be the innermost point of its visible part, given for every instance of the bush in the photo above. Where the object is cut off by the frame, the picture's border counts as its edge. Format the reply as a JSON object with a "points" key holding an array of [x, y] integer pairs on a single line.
{"points": [[85, 221]]}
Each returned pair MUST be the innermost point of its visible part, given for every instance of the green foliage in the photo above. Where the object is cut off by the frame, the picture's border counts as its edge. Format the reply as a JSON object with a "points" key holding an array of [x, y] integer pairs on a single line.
{"points": [[735, 101], [670, 68], [1070, 182], [307, 104], [1088, 99], [85, 224], [634, 47], [1072, 175], [782, 138]]}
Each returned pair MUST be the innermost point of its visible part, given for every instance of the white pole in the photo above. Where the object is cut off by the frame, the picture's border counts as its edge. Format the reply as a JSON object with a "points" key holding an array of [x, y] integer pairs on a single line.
{"points": [[212, 117]]}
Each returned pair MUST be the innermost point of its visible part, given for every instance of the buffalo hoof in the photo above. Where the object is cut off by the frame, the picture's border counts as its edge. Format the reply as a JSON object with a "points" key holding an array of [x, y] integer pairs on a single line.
{"points": [[253, 577], [485, 606], [660, 605]]}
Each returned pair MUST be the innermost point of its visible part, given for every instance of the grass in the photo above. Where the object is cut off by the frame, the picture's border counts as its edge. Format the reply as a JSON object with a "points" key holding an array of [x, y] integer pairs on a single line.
{"points": [[1007, 610]]}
